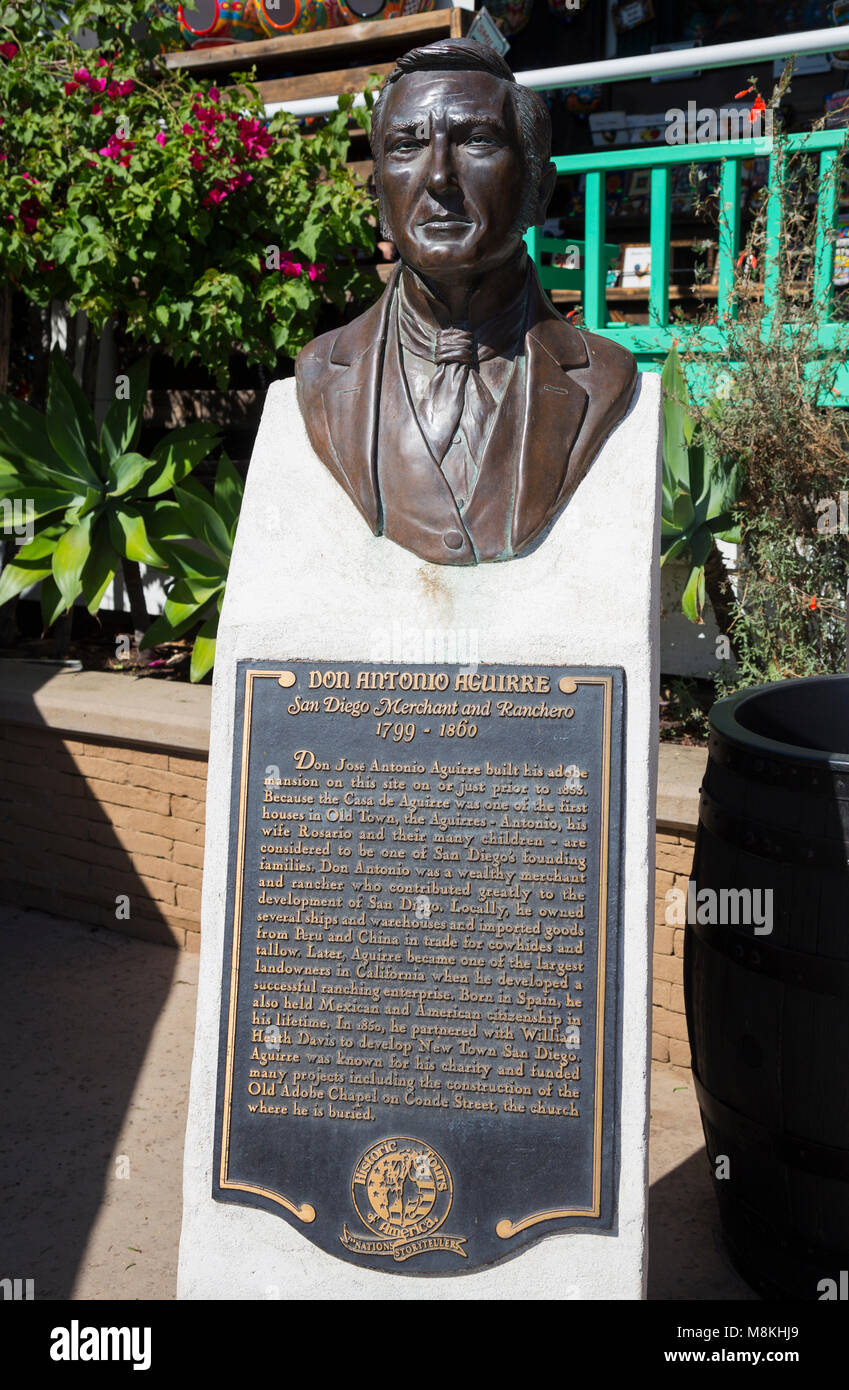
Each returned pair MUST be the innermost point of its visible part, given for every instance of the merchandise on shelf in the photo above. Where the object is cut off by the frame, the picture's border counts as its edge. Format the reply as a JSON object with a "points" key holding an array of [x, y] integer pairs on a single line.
{"points": [[205, 23]]}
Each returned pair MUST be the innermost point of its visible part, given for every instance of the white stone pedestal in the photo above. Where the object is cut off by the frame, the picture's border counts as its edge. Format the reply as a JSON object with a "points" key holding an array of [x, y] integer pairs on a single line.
{"points": [[308, 580]]}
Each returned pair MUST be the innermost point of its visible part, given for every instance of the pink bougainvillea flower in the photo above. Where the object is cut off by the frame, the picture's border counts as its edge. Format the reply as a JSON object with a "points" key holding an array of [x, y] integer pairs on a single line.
{"points": [[196, 159], [113, 90], [96, 85], [9, 49], [214, 94], [71, 87], [318, 272], [117, 148], [161, 138], [82, 75], [216, 194], [126, 87], [188, 129], [96, 108], [102, 63]]}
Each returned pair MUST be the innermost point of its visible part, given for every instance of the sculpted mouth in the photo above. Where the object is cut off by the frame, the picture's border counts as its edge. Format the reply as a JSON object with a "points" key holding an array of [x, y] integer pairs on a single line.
{"points": [[448, 219]]}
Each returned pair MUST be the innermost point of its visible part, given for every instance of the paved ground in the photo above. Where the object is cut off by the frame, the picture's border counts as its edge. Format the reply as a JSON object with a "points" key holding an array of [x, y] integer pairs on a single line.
{"points": [[96, 1035]]}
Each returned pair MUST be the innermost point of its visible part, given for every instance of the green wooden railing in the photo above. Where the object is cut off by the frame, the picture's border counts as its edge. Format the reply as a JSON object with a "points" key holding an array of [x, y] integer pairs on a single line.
{"points": [[651, 343]]}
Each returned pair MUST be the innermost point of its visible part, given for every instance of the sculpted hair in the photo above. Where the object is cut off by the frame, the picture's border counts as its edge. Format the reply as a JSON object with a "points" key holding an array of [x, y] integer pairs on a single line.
{"points": [[533, 122]]}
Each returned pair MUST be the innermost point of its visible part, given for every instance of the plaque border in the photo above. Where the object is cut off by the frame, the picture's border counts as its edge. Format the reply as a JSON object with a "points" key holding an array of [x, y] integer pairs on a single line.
{"points": [[506, 1227]]}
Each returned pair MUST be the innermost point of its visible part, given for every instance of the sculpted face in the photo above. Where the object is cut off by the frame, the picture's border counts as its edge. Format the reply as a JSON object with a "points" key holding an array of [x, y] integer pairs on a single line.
{"points": [[452, 175]]}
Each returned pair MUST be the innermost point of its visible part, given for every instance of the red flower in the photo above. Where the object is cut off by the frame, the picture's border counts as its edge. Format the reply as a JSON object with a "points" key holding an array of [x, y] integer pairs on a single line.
{"points": [[214, 94], [82, 75], [9, 49], [161, 138], [758, 107], [813, 604], [745, 92], [29, 213], [71, 87]]}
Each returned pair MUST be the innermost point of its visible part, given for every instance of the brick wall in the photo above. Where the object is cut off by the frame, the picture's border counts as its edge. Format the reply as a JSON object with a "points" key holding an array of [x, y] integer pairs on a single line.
{"points": [[106, 833], [674, 859], [85, 823]]}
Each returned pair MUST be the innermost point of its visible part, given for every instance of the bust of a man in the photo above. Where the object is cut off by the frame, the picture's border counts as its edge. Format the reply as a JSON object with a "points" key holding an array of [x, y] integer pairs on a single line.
{"points": [[461, 411]]}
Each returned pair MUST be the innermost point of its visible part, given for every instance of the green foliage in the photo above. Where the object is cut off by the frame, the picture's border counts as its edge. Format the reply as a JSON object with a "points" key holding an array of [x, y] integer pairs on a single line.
{"points": [[93, 499], [790, 616], [136, 192], [200, 569], [698, 494]]}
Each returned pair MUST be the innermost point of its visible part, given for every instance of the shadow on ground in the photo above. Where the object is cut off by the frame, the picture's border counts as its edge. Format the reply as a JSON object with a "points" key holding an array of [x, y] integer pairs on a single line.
{"points": [[95, 1082]]}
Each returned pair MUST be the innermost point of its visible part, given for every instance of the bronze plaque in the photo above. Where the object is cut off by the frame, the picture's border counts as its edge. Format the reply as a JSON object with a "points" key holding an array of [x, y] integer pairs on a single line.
{"points": [[420, 1016]]}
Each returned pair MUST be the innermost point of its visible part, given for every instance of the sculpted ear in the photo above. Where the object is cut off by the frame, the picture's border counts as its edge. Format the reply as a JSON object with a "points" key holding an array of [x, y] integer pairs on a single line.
{"points": [[546, 189]]}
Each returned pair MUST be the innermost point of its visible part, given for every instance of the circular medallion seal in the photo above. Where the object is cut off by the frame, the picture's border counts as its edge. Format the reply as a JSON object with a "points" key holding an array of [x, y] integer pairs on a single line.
{"points": [[402, 1189]]}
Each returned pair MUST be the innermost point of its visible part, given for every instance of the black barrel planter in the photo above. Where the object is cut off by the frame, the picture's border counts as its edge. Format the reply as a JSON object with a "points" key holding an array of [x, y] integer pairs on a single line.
{"points": [[768, 1014]]}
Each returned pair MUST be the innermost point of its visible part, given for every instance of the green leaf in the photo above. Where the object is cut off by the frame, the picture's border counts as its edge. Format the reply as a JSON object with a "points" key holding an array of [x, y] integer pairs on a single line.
{"points": [[682, 511], [70, 423], [70, 556], [203, 652], [128, 534], [678, 422], [25, 443], [126, 471], [229, 491], [120, 430], [52, 603], [100, 567], [672, 549], [16, 577], [693, 597], [159, 631], [196, 565], [204, 522], [178, 453]]}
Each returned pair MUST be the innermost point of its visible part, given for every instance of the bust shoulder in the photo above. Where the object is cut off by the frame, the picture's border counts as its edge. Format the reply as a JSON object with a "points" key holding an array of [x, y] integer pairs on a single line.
{"points": [[609, 363]]}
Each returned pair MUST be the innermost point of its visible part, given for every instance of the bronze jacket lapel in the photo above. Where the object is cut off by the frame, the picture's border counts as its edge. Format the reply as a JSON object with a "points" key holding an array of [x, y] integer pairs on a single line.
{"points": [[554, 410], [338, 379]]}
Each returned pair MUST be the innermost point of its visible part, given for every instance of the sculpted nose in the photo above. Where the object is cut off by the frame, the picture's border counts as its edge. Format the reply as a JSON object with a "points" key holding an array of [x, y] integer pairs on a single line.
{"points": [[441, 175]]}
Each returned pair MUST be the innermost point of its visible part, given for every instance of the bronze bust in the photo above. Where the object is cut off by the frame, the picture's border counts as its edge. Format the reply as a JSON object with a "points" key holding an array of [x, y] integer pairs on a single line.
{"points": [[461, 411]]}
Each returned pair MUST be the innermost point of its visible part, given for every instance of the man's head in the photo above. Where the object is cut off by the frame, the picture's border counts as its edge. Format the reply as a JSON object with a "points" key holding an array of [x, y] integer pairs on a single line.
{"points": [[461, 155]]}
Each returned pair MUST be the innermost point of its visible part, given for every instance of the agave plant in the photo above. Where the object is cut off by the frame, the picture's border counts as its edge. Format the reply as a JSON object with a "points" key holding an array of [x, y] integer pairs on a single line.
{"points": [[94, 502], [698, 494], [197, 593]]}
